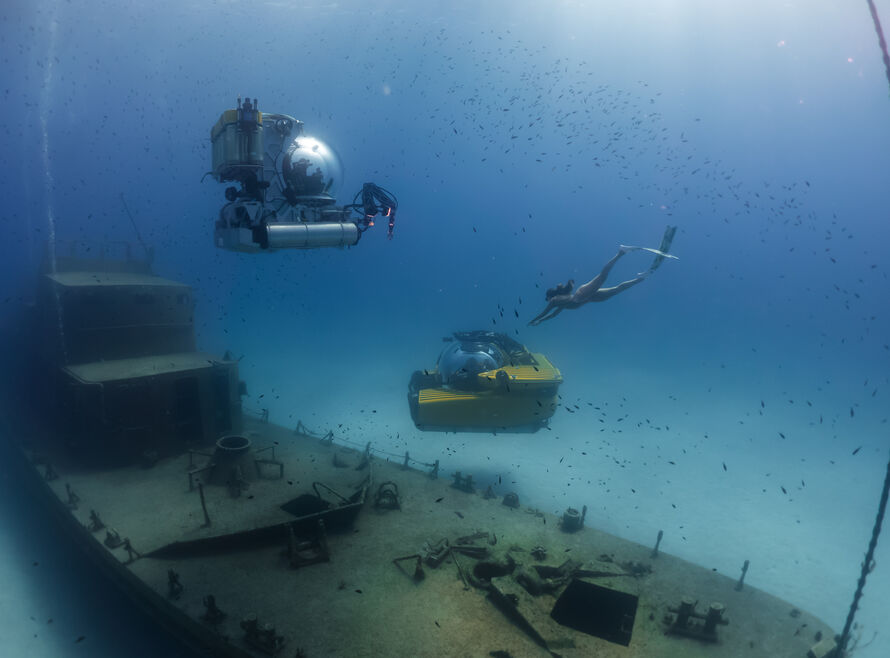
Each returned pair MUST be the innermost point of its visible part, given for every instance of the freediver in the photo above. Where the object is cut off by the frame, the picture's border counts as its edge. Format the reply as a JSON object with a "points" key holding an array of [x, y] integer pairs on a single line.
{"points": [[561, 296]]}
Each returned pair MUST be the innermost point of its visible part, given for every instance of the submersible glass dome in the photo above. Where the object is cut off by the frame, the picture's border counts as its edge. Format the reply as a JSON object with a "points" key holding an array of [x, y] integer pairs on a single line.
{"points": [[311, 168], [463, 360]]}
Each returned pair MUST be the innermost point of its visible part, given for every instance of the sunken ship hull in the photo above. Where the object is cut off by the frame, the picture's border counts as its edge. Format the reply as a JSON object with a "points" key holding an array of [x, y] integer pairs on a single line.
{"points": [[246, 539]]}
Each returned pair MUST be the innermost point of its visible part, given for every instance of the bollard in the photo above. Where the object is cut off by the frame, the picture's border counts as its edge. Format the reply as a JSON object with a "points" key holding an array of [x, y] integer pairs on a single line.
{"points": [[715, 614]]}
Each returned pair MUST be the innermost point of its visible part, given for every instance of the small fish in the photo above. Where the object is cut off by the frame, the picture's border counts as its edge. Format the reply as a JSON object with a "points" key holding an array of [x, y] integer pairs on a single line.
{"points": [[857, 450], [459, 514], [782, 435], [724, 466], [80, 639], [783, 490], [439, 500], [851, 412]]}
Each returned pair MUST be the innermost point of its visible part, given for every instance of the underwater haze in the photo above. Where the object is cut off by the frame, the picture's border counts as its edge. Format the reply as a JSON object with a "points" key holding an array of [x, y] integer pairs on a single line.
{"points": [[737, 399]]}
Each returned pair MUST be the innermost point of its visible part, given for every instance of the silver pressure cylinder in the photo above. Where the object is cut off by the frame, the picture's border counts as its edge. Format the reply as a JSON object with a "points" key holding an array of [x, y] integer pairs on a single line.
{"points": [[311, 235]]}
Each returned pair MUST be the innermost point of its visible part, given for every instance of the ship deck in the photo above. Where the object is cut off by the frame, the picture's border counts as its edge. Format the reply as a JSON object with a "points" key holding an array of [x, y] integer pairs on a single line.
{"points": [[360, 603], [143, 366]]}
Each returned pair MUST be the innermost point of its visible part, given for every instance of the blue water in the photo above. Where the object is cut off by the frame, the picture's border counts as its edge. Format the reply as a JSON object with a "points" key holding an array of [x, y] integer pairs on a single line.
{"points": [[525, 142]]}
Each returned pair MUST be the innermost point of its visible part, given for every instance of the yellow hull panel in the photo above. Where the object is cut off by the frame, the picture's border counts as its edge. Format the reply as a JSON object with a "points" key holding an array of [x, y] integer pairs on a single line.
{"points": [[487, 409], [508, 397]]}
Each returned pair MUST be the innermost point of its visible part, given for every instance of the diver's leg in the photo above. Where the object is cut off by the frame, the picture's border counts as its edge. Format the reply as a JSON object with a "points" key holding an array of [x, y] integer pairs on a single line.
{"points": [[605, 293], [597, 282]]}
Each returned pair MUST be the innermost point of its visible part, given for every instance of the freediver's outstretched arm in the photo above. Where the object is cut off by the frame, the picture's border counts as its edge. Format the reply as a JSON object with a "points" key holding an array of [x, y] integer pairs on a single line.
{"points": [[543, 315]]}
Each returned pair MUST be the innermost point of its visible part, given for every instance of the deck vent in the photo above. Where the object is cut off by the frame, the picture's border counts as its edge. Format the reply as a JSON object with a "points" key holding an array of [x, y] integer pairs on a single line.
{"points": [[233, 461]]}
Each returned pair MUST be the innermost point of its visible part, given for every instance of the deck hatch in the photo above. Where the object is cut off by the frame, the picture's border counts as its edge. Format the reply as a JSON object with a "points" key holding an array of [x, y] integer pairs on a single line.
{"points": [[599, 611]]}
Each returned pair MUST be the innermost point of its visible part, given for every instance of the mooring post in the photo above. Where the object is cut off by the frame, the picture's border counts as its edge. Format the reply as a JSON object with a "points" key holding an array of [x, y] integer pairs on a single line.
{"points": [[203, 506], [657, 542], [741, 583]]}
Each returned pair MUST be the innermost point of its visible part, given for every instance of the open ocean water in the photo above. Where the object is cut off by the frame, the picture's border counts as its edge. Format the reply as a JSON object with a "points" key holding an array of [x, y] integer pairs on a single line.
{"points": [[737, 399]]}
